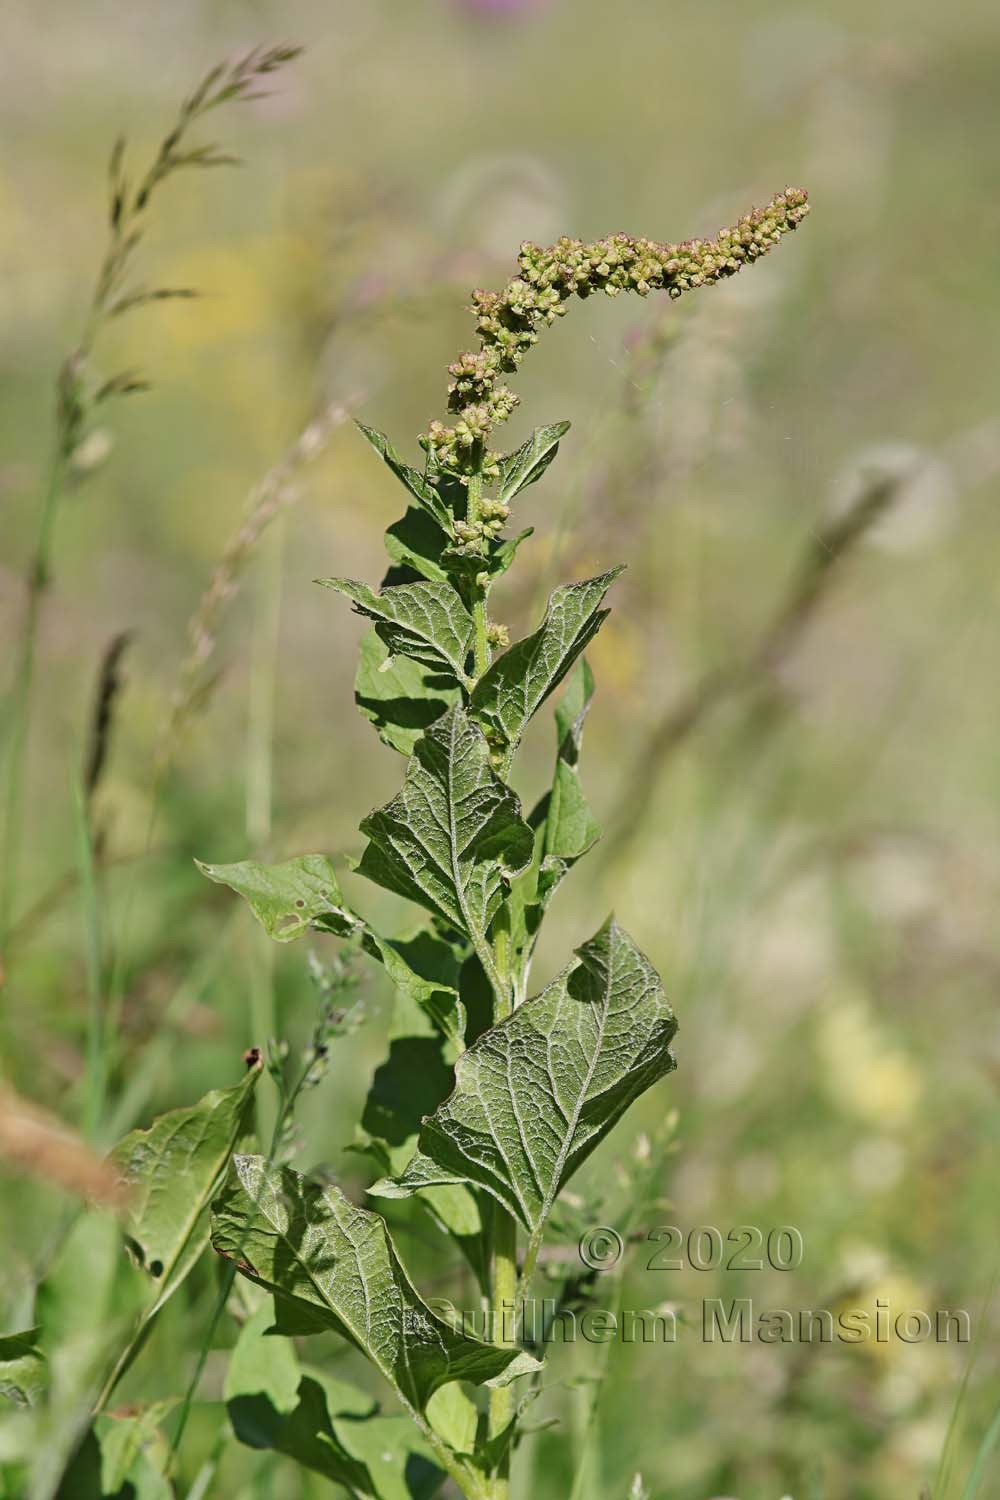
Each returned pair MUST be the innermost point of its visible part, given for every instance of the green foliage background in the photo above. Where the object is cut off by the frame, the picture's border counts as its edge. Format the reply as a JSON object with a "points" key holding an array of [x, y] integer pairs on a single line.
{"points": [[814, 871]]}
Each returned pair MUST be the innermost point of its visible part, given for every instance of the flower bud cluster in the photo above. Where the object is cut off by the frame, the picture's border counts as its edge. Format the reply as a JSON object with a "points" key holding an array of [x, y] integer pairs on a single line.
{"points": [[471, 537], [508, 322]]}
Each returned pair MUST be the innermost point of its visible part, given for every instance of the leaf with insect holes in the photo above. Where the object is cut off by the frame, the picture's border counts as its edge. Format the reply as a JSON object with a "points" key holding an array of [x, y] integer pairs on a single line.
{"points": [[517, 684], [535, 1095], [425, 621], [276, 1403], [170, 1173], [528, 464], [304, 894], [288, 898], [312, 1247], [454, 836], [419, 487], [398, 695], [23, 1368]]}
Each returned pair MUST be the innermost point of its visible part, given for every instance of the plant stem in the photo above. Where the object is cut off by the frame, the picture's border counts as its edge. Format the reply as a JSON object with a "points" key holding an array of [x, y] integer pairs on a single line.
{"points": [[504, 1260], [38, 579], [481, 644]]}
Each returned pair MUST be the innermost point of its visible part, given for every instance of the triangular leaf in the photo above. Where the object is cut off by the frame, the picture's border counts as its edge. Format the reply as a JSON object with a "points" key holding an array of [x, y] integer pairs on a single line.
{"points": [[399, 696], [170, 1173], [518, 683], [536, 1094], [454, 835], [311, 1245], [414, 481], [290, 897], [528, 464], [426, 621]]}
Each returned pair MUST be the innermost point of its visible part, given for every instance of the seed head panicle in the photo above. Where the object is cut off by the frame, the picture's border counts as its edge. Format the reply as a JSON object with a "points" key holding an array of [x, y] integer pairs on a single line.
{"points": [[508, 322]]}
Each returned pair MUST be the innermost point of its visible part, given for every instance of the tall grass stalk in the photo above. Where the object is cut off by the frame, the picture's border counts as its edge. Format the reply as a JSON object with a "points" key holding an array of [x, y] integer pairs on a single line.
{"points": [[81, 392]]}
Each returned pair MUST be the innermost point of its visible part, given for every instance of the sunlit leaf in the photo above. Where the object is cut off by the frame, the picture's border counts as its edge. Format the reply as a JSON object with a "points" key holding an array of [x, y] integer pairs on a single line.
{"points": [[421, 490], [171, 1172], [528, 464], [290, 897], [425, 621], [310, 1245], [537, 1093], [517, 684], [454, 835]]}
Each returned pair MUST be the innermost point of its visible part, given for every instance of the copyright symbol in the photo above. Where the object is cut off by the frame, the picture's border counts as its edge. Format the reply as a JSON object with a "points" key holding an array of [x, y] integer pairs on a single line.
{"points": [[601, 1248]]}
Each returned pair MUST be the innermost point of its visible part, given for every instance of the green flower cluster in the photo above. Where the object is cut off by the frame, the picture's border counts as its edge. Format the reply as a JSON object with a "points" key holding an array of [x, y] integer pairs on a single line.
{"points": [[509, 321]]}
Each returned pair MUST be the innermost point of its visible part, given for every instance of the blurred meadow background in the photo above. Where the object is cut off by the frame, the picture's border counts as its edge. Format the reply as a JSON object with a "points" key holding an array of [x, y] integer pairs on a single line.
{"points": [[793, 750]]}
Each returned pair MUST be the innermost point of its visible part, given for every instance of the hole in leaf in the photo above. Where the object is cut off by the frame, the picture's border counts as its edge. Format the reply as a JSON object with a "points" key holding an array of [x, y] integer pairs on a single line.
{"points": [[156, 1268]]}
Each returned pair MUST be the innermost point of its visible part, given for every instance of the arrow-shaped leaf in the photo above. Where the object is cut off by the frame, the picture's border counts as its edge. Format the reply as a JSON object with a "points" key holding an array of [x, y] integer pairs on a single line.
{"points": [[518, 683], [453, 836], [311, 1246], [529, 462], [536, 1094], [420, 488], [426, 621]]}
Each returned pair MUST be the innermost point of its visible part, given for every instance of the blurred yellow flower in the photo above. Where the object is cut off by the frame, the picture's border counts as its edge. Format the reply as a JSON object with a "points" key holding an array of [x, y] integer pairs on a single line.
{"points": [[865, 1074]]}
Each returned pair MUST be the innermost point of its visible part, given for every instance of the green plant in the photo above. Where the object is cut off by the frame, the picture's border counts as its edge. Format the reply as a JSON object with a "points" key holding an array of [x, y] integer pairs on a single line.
{"points": [[83, 391], [490, 1100]]}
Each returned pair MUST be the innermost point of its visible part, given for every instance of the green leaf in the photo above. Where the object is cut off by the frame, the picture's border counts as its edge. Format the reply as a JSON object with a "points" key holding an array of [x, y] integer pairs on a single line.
{"points": [[454, 836], [570, 827], [565, 828], [502, 554], [416, 541], [272, 1405], [425, 621], [398, 695], [536, 1094], [23, 1369], [528, 464], [123, 1457], [326, 1425], [300, 894], [518, 683], [310, 1245], [288, 898], [171, 1172], [421, 490], [87, 1306], [454, 1417]]}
